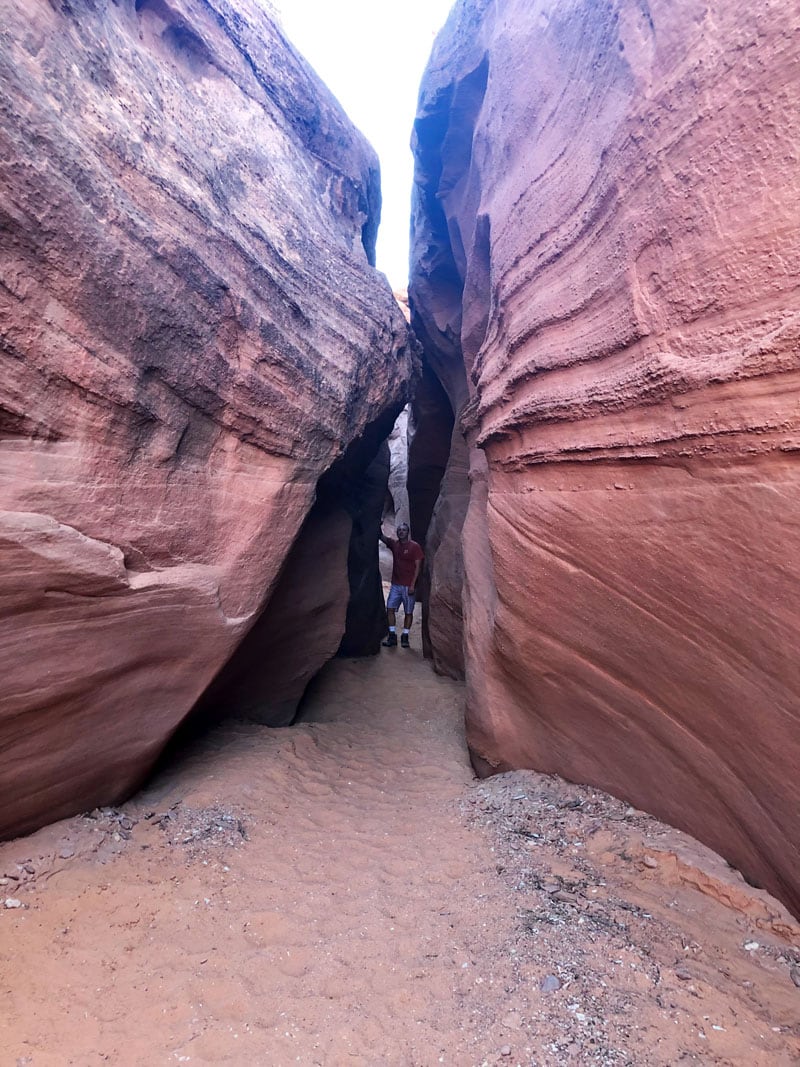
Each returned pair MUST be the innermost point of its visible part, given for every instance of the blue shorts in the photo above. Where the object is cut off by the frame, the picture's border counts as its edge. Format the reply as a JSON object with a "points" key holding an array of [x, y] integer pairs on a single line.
{"points": [[399, 594]]}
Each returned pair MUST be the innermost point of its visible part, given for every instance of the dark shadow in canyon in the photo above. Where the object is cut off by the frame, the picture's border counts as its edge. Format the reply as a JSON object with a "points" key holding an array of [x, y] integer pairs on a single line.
{"points": [[330, 582]]}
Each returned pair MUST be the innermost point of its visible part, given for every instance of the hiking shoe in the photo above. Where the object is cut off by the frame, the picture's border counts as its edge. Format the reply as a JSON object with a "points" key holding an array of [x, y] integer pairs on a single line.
{"points": [[404, 642], [391, 641]]}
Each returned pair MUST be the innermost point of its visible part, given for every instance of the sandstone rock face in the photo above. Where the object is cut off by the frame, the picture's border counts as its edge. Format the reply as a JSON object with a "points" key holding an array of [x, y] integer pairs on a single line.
{"points": [[437, 527], [605, 279], [192, 334], [265, 678], [396, 503], [397, 510], [365, 622]]}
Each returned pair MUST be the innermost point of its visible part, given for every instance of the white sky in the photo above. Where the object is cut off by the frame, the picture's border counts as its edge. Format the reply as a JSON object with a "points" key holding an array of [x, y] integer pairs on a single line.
{"points": [[371, 54]]}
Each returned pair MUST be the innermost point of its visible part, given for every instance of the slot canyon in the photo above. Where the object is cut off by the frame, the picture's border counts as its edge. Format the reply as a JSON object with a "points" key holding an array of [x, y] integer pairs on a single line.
{"points": [[563, 828]]}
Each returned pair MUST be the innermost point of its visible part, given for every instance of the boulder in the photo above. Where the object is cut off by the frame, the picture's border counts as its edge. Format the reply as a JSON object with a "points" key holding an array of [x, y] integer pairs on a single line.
{"points": [[361, 488], [396, 509], [298, 631], [193, 333], [365, 622], [605, 279]]}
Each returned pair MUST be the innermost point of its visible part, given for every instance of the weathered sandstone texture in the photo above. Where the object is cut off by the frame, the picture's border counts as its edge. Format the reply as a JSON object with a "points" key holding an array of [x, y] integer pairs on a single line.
{"points": [[192, 333], [396, 510], [327, 599], [605, 279], [365, 623]]}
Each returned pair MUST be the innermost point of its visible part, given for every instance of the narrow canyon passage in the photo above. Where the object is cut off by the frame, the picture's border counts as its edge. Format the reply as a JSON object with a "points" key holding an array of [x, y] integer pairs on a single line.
{"points": [[342, 892], [335, 932], [596, 361]]}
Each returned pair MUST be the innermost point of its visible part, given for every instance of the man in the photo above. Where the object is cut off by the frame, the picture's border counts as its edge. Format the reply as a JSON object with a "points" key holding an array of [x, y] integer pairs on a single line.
{"points": [[407, 559]]}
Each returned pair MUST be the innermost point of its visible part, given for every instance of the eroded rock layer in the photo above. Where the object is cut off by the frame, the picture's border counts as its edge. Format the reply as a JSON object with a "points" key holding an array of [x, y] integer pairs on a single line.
{"points": [[192, 334], [606, 242]]}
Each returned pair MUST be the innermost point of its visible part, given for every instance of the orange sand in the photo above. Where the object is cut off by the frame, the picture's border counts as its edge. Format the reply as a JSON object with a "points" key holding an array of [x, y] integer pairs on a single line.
{"points": [[344, 893]]}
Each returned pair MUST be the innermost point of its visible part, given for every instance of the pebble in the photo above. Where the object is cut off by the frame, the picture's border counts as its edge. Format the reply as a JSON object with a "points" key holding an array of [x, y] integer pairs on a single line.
{"points": [[505, 1050], [549, 983], [11, 902], [683, 974], [564, 897], [750, 946], [794, 974], [4, 881], [66, 853], [650, 862]]}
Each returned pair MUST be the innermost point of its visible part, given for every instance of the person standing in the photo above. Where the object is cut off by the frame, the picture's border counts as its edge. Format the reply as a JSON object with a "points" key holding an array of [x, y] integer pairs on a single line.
{"points": [[407, 557]]}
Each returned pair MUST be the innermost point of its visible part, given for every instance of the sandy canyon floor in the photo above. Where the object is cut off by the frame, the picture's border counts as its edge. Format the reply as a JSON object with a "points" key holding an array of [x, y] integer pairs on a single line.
{"points": [[344, 892]]}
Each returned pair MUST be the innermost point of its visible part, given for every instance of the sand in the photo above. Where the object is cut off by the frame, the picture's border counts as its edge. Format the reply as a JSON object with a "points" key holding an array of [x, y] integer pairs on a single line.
{"points": [[344, 892]]}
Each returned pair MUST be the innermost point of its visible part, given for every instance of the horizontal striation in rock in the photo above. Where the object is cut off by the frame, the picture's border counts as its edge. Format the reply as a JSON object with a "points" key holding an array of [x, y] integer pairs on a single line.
{"points": [[618, 213], [192, 333]]}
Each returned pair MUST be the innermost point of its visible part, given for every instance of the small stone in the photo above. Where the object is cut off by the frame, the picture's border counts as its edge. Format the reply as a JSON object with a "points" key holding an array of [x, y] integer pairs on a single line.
{"points": [[683, 974], [28, 868], [794, 974], [505, 1050], [4, 881], [549, 983], [66, 853], [11, 902], [650, 862], [750, 946], [117, 837], [564, 897]]}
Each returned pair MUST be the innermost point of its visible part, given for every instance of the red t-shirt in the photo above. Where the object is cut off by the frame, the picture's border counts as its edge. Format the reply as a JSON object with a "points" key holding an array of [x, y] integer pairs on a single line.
{"points": [[405, 555]]}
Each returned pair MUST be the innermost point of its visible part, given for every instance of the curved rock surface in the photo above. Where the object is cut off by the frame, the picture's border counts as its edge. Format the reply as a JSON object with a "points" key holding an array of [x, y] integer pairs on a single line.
{"points": [[192, 333], [606, 242]]}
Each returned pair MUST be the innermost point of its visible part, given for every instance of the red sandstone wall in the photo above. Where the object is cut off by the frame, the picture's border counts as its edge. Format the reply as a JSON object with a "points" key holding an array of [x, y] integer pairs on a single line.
{"points": [[191, 334], [606, 233]]}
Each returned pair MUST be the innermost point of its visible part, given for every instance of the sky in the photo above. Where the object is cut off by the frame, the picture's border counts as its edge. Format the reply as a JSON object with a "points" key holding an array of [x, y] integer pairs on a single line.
{"points": [[371, 55]]}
